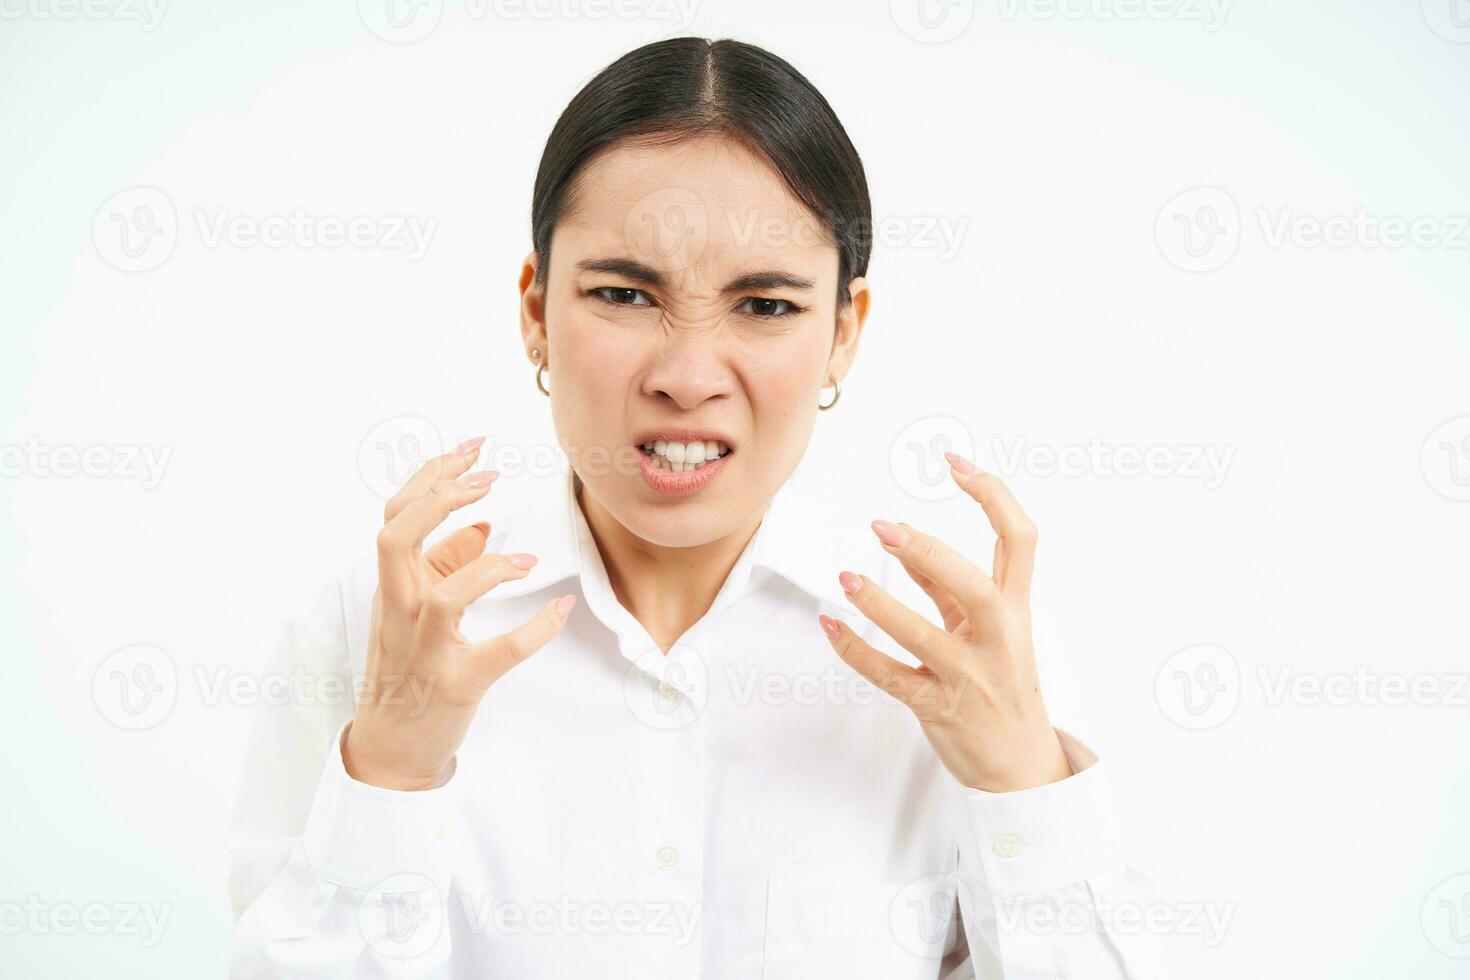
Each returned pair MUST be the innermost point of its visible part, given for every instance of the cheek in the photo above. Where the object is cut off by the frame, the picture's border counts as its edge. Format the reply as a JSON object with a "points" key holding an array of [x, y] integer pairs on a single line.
{"points": [[783, 383], [592, 357]]}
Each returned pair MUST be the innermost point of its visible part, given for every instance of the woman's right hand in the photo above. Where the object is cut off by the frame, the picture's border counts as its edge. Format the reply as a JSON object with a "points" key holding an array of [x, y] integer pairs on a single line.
{"points": [[424, 680]]}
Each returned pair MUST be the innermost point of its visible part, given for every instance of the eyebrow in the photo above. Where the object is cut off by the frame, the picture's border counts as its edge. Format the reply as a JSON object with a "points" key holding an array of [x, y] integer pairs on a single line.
{"points": [[638, 272]]}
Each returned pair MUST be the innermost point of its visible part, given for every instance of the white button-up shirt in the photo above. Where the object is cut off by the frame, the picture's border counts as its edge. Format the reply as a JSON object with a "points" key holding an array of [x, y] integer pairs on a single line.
{"points": [[743, 806]]}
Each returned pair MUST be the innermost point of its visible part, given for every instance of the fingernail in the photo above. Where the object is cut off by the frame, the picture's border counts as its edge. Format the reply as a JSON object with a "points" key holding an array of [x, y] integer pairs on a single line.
{"points": [[522, 560], [829, 626], [564, 604], [961, 465], [481, 479], [890, 534], [484, 527], [469, 446], [850, 582]]}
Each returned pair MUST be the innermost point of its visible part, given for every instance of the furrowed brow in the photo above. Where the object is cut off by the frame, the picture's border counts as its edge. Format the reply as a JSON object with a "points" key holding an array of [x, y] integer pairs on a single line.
{"points": [[627, 268], [769, 279]]}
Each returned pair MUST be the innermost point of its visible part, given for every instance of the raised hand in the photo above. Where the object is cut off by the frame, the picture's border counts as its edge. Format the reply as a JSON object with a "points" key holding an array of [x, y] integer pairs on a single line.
{"points": [[975, 692], [404, 742]]}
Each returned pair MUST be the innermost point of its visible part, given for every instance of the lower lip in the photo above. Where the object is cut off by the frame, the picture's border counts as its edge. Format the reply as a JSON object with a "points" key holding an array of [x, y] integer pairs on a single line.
{"points": [[672, 484]]}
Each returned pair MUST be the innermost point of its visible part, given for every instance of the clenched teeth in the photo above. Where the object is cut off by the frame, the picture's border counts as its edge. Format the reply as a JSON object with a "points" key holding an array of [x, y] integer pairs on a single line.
{"points": [[682, 456]]}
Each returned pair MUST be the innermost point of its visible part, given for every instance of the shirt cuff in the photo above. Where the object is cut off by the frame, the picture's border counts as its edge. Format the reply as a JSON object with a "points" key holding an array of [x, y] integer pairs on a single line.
{"points": [[1037, 841], [359, 835]]}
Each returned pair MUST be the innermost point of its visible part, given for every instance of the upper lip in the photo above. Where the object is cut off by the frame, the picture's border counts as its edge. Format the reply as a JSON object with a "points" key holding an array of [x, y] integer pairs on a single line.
{"points": [[675, 434]]}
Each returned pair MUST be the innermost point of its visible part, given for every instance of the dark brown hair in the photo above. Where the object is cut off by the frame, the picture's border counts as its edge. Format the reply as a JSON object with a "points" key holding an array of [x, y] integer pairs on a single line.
{"points": [[687, 86]]}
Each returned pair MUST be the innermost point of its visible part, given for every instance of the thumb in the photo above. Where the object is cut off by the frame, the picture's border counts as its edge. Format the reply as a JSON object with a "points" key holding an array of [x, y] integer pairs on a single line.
{"points": [[460, 548]]}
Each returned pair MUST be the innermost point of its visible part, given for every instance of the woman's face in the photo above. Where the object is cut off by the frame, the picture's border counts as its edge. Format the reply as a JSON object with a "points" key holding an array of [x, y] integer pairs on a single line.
{"points": [[688, 290]]}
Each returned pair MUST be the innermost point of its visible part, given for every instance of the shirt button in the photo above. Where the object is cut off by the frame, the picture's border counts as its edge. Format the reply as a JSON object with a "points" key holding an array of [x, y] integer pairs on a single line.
{"points": [[1006, 845], [667, 691], [666, 858]]}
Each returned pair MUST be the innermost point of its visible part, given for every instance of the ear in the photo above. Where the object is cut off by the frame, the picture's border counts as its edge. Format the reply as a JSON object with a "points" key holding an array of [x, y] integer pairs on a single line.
{"points": [[849, 330], [533, 307]]}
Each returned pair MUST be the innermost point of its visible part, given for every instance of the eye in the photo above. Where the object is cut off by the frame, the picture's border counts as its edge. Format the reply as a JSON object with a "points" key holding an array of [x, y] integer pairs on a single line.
{"points": [[769, 309], [621, 296]]}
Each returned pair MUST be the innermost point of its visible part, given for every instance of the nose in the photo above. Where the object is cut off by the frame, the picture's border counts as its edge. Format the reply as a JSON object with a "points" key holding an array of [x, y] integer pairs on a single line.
{"points": [[689, 368]]}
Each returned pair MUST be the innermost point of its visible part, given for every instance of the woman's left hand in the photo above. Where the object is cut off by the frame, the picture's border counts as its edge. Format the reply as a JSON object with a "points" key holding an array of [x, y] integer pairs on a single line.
{"points": [[975, 694]]}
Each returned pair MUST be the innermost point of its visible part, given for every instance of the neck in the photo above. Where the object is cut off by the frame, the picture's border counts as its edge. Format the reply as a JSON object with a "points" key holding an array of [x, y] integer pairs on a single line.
{"points": [[666, 589]]}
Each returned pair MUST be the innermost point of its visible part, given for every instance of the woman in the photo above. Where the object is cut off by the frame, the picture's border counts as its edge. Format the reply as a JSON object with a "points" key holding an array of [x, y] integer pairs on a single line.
{"points": [[645, 795]]}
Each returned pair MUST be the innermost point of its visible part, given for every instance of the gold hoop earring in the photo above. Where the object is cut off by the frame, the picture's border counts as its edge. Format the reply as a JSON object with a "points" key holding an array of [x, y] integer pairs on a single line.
{"points": [[540, 383], [836, 394]]}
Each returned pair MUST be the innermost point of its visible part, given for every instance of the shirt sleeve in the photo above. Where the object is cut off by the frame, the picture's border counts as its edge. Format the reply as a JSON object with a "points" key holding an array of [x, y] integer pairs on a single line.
{"points": [[330, 876], [1043, 888]]}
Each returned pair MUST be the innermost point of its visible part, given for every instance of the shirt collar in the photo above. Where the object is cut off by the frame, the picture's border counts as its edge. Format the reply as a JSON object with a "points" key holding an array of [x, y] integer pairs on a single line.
{"points": [[795, 541]]}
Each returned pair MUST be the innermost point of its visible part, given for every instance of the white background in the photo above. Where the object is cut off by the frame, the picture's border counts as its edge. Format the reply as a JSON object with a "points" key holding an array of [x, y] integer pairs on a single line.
{"points": [[1051, 143]]}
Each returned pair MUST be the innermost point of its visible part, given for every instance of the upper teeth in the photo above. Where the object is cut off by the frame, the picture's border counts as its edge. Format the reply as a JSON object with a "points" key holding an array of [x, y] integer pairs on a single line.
{"points": [[680, 456]]}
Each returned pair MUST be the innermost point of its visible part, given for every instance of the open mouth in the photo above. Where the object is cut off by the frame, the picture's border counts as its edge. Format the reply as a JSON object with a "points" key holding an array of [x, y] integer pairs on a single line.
{"points": [[683, 457]]}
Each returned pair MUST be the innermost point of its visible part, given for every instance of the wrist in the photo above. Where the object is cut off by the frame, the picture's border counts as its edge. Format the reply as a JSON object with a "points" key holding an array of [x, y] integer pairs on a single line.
{"points": [[1044, 763], [364, 766]]}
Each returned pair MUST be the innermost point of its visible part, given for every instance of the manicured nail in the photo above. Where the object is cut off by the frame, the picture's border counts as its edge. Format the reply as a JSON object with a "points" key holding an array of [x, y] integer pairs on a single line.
{"points": [[469, 446], [565, 603], [829, 626], [850, 582], [961, 465], [477, 480], [890, 534], [522, 560]]}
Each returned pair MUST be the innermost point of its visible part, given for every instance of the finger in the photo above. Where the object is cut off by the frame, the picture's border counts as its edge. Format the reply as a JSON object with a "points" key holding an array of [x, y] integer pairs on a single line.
{"points": [[975, 591], [1016, 554], [446, 602], [448, 466], [457, 550], [886, 674], [909, 630], [499, 654], [943, 601], [399, 540]]}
